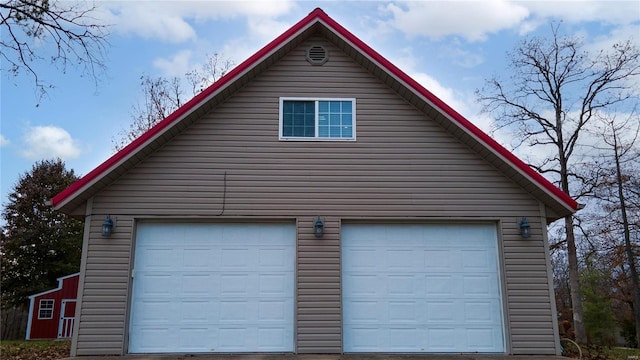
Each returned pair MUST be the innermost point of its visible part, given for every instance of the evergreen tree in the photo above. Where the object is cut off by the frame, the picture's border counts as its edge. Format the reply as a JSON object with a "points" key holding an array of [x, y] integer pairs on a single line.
{"points": [[598, 310], [37, 243]]}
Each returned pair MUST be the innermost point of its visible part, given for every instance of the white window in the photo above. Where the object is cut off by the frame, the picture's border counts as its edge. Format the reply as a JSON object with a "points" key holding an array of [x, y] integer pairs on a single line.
{"points": [[317, 119], [45, 311]]}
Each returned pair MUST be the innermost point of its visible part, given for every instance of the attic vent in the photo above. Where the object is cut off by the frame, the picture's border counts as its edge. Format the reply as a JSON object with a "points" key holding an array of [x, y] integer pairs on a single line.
{"points": [[317, 55]]}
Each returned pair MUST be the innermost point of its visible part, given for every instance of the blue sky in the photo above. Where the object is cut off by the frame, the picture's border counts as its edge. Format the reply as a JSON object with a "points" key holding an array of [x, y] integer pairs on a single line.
{"points": [[451, 47]]}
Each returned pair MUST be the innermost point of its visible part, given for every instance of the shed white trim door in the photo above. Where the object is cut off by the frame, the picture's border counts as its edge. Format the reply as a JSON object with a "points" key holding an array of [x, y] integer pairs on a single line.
{"points": [[421, 288], [213, 288]]}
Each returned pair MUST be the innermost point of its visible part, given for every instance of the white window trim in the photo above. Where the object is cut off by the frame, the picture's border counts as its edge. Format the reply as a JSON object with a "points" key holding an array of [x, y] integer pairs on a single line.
{"points": [[53, 304], [316, 138]]}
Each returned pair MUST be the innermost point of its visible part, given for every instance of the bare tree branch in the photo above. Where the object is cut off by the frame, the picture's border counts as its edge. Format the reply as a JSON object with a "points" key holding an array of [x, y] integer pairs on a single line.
{"points": [[555, 90], [68, 30], [162, 96]]}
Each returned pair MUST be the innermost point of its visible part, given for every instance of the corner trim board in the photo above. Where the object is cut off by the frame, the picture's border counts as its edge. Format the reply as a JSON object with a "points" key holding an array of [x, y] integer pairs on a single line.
{"points": [[83, 268]]}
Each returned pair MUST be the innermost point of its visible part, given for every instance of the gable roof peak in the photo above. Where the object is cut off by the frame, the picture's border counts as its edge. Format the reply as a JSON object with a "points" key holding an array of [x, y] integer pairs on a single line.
{"points": [[88, 185], [317, 10]]}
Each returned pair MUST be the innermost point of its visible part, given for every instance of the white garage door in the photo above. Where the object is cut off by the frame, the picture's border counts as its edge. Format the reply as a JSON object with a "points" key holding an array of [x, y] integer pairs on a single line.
{"points": [[421, 288], [213, 288]]}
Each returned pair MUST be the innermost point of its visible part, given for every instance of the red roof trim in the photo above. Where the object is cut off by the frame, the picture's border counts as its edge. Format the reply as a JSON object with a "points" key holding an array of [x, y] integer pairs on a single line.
{"points": [[60, 285], [358, 44]]}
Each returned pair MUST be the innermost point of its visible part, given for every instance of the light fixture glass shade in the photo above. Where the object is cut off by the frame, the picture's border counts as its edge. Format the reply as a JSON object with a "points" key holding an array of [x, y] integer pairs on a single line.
{"points": [[525, 228], [318, 228], [107, 226]]}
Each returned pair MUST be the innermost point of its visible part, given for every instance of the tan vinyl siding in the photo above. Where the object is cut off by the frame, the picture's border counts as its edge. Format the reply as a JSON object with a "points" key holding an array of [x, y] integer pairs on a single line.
{"points": [[319, 328], [230, 164], [529, 302], [104, 301]]}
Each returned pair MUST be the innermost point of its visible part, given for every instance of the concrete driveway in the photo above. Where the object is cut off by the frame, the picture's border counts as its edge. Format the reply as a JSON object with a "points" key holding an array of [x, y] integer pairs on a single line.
{"points": [[320, 357]]}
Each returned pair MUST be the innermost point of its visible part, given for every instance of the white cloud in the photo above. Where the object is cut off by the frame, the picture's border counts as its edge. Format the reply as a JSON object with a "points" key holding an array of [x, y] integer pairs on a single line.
{"points": [[607, 41], [466, 105], [460, 56], [44, 142], [473, 20], [4, 141], [260, 32], [463, 102], [609, 12], [178, 65], [266, 29], [408, 63], [621, 15], [445, 94], [156, 20], [171, 21]]}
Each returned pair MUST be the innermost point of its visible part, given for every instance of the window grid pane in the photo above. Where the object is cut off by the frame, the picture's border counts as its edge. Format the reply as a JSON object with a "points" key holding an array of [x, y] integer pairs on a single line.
{"points": [[46, 309], [332, 118], [298, 118], [335, 119]]}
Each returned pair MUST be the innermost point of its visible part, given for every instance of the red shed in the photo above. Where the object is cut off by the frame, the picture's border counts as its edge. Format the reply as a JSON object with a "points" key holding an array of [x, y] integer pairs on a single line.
{"points": [[52, 312]]}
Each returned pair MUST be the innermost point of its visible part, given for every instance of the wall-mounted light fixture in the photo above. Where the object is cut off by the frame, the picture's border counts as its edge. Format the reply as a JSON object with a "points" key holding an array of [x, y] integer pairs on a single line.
{"points": [[525, 228], [107, 226], [318, 228]]}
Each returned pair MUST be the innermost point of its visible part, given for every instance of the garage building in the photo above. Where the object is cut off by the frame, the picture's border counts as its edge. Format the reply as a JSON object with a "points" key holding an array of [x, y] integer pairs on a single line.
{"points": [[315, 199]]}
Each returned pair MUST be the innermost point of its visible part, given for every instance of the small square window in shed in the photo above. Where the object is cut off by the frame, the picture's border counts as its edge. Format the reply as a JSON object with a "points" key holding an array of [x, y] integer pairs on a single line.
{"points": [[45, 310]]}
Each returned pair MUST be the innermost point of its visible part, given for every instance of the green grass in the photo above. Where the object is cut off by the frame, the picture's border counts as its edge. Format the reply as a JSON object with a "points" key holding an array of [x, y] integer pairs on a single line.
{"points": [[34, 350], [606, 353], [623, 353]]}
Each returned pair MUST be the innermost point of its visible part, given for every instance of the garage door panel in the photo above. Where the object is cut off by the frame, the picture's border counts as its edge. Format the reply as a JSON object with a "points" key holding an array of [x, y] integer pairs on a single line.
{"points": [[274, 312], [234, 339], [151, 337], [403, 312], [274, 285], [421, 288], [443, 339], [236, 284], [440, 261], [361, 284], [483, 339], [404, 339], [441, 286], [158, 258], [478, 260], [197, 284], [274, 258], [362, 338], [156, 284], [361, 258], [196, 258], [193, 338], [478, 285], [236, 259], [238, 339], [403, 286], [361, 311], [273, 338], [482, 312], [403, 259], [198, 311]]}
